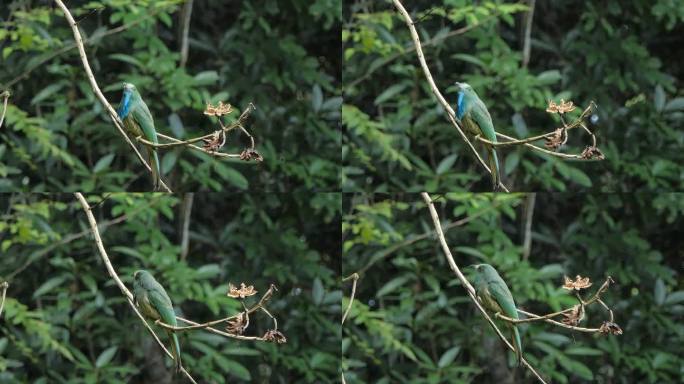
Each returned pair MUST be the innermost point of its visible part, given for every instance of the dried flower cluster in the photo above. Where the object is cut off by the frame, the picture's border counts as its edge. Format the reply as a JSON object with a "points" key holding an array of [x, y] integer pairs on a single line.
{"points": [[219, 110], [251, 154], [215, 142], [610, 327], [592, 153], [275, 336], [238, 325], [242, 292], [563, 107], [578, 284], [575, 316], [558, 138]]}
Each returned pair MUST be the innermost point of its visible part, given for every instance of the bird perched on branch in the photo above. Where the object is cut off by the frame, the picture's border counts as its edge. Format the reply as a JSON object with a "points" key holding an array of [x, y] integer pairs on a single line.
{"points": [[154, 303], [475, 118], [494, 294], [138, 122]]}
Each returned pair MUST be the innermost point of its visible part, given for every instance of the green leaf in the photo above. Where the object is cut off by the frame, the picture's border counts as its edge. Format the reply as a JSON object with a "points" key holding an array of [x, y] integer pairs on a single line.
{"points": [[472, 252], [659, 98], [448, 356], [573, 174], [550, 270], [176, 126], [317, 291], [389, 93], [232, 367], [676, 104], [659, 291], [577, 368], [206, 78], [126, 59], [446, 164], [46, 92], [232, 176], [549, 77], [512, 161], [168, 161], [519, 125], [105, 357], [584, 351], [393, 284], [674, 297], [103, 163], [469, 59], [49, 285], [208, 271], [316, 97]]}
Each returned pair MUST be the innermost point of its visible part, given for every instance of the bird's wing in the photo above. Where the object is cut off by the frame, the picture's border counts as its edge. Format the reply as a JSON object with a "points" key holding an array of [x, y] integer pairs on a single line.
{"points": [[481, 116], [162, 303], [141, 114], [503, 297]]}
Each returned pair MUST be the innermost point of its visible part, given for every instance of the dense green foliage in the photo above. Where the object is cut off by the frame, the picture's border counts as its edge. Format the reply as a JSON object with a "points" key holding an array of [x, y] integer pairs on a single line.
{"points": [[65, 320], [625, 56], [283, 56], [413, 321]]}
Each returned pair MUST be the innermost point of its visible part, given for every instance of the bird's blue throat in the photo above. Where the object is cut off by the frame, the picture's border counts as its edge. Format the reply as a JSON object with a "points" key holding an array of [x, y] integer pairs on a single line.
{"points": [[460, 110], [125, 106]]}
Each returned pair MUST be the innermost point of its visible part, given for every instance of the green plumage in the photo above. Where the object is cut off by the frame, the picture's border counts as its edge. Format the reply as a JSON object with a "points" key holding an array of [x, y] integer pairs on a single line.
{"points": [[154, 303], [496, 297], [138, 122], [475, 118]]}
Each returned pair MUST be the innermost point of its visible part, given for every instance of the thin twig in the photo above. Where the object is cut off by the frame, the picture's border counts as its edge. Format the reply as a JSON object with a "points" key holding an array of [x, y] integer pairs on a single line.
{"points": [[528, 33], [4, 286], [255, 307], [435, 91], [354, 277], [112, 271], [207, 326], [185, 230], [529, 213], [466, 284], [96, 89], [548, 317], [189, 142], [5, 94], [185, 31]]}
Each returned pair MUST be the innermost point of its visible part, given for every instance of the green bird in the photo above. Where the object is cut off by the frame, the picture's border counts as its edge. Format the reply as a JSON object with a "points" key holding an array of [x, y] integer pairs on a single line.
{"points": [[155, 304], [475, 118], [138, 121], [495, 296]]}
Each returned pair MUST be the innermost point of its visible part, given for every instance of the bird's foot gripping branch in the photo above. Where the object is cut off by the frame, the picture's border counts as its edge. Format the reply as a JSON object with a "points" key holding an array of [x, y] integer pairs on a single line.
{"points": [[574, 315], [236, 325]]}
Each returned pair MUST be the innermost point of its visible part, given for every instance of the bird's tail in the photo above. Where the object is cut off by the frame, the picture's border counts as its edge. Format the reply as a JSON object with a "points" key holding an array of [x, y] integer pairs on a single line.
{"points": [[517, 344], [175, 350], [154, 164], [494, 167]]}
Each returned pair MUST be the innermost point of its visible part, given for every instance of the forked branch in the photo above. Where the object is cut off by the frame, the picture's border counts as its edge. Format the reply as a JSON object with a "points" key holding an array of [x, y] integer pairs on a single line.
{"points": [[575, 314]]}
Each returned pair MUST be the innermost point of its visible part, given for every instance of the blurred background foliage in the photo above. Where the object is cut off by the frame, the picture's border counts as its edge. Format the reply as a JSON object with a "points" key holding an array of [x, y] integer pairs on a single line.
{"points": [[625, 56], [281, 55], [65, 319], [412, 321]]}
